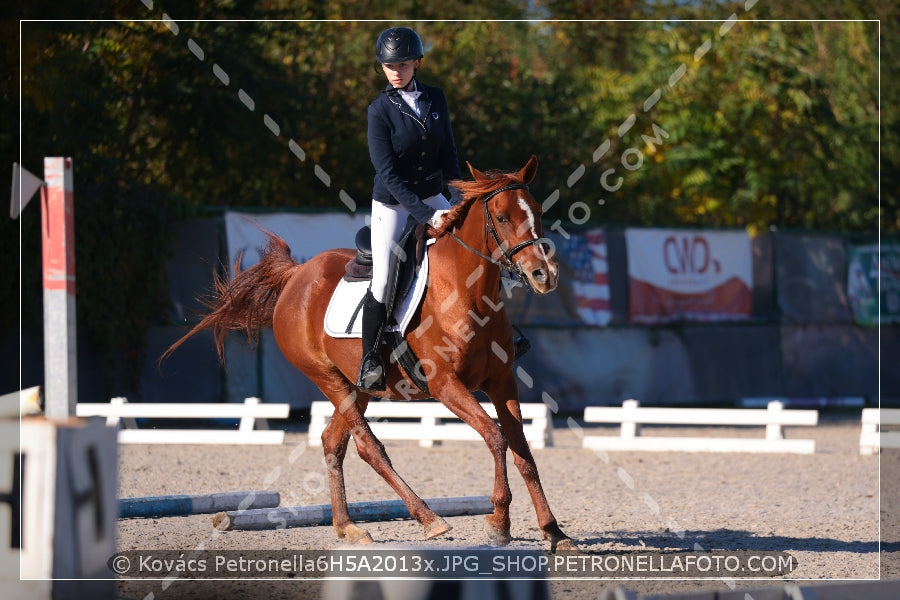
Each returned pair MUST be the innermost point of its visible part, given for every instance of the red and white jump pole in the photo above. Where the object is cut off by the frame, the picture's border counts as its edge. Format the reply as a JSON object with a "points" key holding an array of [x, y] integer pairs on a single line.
{"points": [[58, 233]]}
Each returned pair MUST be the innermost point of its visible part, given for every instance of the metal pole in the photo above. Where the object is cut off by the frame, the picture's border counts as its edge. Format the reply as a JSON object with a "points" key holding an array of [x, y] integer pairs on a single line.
{"points": [[58, 237]]}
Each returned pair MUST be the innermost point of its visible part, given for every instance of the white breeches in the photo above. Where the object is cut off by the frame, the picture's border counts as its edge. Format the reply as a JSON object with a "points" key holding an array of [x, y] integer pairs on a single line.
{"points": [[388, 222]]}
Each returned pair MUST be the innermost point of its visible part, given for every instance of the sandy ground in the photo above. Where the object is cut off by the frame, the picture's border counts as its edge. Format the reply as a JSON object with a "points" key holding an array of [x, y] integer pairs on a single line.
{"points": [[821, 509]]}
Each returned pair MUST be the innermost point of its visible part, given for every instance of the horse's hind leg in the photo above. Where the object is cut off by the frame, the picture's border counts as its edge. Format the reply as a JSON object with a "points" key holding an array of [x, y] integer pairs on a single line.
{"points": [[334, 442], [371, 450]]}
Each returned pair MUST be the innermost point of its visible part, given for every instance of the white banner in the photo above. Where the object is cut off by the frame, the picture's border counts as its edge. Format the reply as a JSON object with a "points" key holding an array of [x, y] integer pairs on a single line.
{"points": [[688, 275], [306, 234]]}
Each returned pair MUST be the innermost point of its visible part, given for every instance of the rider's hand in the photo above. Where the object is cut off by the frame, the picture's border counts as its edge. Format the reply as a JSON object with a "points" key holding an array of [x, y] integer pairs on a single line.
{"points": [[437, 219]]}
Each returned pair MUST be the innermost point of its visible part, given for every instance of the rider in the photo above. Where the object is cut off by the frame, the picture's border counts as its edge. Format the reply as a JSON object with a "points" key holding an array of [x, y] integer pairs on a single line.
{"points": [[411, 146]]}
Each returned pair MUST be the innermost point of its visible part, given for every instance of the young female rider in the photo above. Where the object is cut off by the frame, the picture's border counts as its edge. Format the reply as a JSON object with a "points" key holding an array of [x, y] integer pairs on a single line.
{"points": [[411, 146]]}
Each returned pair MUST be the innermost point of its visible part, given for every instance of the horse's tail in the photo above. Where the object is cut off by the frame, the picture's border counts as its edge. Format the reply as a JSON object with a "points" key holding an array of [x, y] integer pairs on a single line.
{"points": [[247, 302]]}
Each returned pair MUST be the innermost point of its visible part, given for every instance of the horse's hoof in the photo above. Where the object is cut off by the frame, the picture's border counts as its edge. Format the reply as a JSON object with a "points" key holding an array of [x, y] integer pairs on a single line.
{"points": [[360, 537], [357, 535], [497, 536], [436, 528], [564, 546]]}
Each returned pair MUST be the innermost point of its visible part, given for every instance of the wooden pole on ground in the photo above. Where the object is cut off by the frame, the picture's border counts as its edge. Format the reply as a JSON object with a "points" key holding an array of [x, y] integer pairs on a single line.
{"points": [[192, 504], [320, 514]]}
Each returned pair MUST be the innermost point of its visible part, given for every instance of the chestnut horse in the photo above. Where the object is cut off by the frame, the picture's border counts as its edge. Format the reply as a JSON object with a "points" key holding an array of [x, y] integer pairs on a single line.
{"points": [[461, 329]]}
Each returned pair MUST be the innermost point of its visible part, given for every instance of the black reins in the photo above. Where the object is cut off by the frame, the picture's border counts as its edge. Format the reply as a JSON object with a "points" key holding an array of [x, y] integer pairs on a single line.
{"points": [[489, 227]]}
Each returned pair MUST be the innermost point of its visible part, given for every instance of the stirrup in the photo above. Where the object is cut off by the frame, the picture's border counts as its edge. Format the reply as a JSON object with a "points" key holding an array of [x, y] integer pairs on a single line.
{"points": [[522, 344]]}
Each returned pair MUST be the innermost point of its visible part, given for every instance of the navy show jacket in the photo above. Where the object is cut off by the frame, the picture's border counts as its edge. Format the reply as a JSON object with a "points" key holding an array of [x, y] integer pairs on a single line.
{"points": [[413, 156]]}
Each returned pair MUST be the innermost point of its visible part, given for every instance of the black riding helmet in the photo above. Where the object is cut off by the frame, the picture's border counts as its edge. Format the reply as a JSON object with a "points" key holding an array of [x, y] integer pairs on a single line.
{"points": [[398, 44]]}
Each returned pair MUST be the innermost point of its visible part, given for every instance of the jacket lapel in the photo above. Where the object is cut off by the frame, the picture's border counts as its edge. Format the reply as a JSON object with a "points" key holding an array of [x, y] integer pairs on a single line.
{"points": [[424, 105]]}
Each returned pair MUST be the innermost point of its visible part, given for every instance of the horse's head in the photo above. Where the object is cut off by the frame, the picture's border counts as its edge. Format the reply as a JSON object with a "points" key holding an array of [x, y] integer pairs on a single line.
{"points": [[512, 224]]}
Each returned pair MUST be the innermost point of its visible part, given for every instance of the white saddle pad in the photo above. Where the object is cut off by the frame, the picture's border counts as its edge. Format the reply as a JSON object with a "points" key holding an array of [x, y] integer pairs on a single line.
{"points": [[348, 294]]}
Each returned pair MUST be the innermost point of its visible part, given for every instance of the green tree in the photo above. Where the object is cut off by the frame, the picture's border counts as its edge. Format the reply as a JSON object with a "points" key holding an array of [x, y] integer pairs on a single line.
{"points": [[234, 103]]}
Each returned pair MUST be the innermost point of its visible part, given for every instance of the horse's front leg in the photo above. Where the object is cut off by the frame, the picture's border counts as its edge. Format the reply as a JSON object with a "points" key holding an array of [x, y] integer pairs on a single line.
{"points": [[454, 395], [504, 395]]}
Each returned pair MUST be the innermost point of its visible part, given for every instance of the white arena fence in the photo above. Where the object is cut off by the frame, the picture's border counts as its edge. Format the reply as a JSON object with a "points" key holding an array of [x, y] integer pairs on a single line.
{"points": [[631, 416], [871, 437], [253, 427], [430, 422]]}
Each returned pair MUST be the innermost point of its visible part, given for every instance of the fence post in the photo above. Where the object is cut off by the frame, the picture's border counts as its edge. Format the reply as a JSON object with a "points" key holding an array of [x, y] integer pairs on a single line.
{"points": [[630, 428], [774, 430], [58, 248]]}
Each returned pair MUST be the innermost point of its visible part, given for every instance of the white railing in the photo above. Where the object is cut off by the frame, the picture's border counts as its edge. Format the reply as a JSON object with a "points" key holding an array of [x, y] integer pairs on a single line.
{"points": [[631, 416], [253, 428], [431, 422]]}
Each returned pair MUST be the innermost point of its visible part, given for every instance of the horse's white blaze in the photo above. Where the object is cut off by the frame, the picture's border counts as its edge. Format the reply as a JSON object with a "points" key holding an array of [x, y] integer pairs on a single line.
{"points": [[529, 214], [531, 225]]}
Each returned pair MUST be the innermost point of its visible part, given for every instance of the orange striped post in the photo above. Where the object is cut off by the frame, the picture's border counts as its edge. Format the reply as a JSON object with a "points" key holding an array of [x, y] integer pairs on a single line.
{"points": [[58, 236]]}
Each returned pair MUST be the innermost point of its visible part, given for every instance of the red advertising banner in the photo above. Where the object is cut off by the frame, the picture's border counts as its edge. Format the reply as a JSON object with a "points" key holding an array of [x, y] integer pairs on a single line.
{"points": [[684, 275]]}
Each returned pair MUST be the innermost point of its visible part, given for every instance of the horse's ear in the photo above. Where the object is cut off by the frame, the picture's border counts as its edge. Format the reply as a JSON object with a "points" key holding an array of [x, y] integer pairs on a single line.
{"points": [[529, 170], [478, 175]]}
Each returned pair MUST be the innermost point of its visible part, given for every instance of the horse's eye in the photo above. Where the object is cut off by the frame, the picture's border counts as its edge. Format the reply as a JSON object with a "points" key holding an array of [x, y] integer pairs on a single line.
{"points": [[502, 218]]}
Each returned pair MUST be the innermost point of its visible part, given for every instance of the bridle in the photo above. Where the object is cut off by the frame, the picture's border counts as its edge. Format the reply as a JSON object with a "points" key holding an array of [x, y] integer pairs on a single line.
{"points": [[506, 256]]}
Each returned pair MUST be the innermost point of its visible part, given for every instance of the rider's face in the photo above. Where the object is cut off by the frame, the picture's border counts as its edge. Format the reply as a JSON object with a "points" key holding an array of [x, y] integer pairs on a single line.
{"points": [[400, 74]]}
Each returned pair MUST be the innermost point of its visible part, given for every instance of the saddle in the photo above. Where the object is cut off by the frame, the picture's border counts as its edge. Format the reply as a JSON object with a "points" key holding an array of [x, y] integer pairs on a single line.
{"points": [[404, 266]]}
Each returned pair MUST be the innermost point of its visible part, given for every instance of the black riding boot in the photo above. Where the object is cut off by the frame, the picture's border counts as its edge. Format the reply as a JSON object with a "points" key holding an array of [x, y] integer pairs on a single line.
{"points": [[371, 368]]}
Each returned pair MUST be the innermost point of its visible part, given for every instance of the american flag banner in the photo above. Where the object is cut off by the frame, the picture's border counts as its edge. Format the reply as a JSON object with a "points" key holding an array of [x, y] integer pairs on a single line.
{"points": [[585, 254]]}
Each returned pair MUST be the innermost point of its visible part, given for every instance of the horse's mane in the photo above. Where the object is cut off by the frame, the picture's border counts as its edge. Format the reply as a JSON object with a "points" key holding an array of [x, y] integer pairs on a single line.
{"points": [[471, 191]]}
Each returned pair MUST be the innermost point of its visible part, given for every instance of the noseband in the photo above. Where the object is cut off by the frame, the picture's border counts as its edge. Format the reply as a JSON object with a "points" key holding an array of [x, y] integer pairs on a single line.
{"points": [[506, 261]]}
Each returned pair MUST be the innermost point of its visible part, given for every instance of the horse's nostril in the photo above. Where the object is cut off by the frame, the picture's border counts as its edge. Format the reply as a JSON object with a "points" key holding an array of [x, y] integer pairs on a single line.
{"points": [[539, 276]]}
